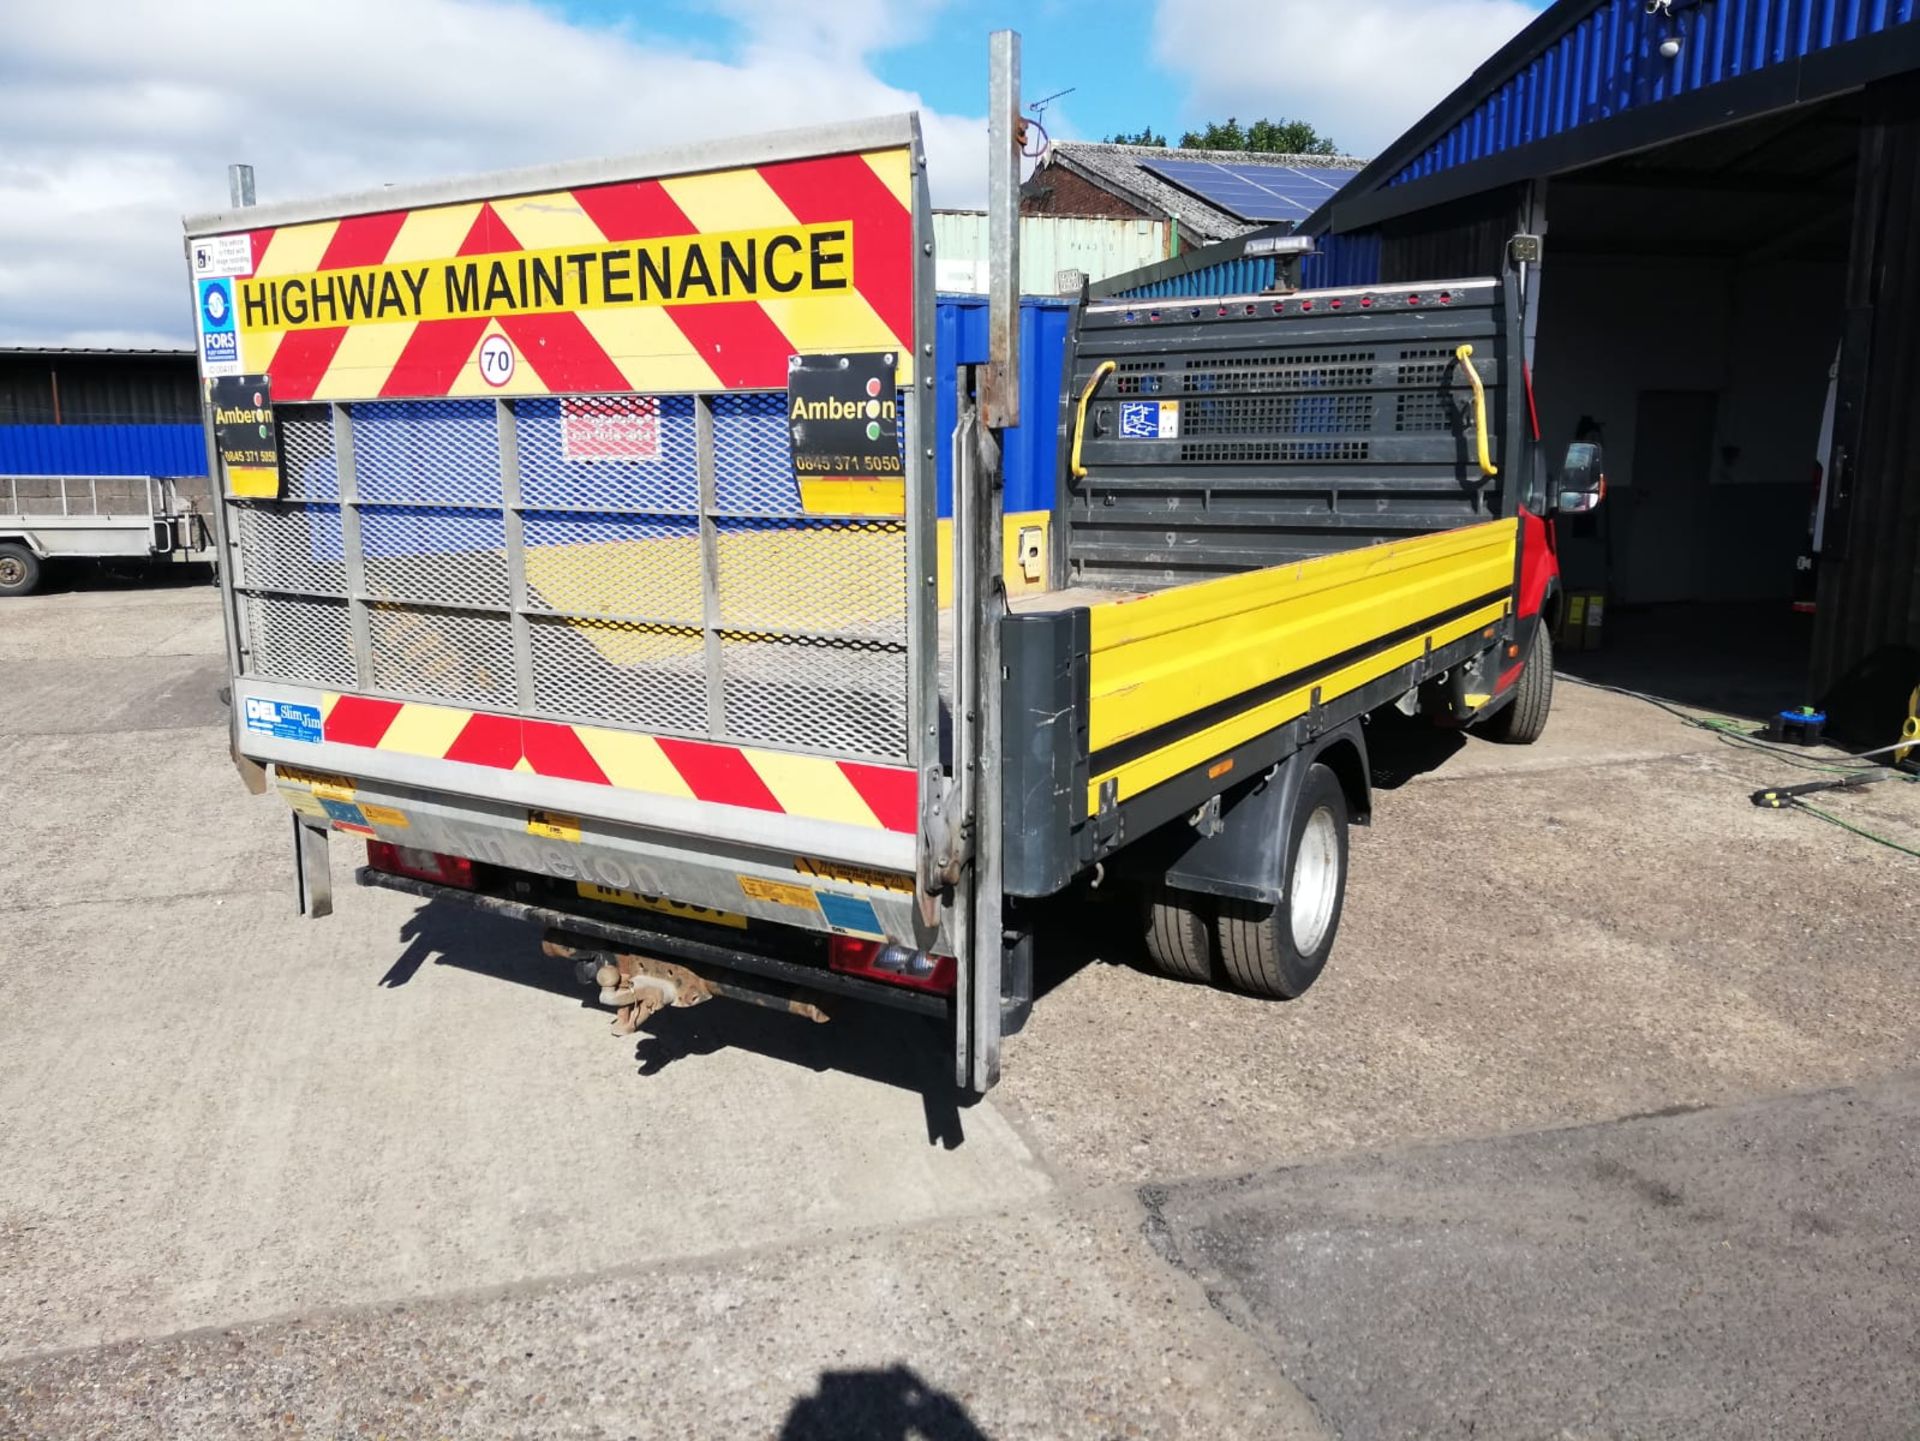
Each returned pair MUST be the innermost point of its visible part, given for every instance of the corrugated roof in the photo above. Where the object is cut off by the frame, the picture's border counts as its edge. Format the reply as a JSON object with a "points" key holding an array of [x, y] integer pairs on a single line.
{"points": [[1121, 170], [1586, 64]]}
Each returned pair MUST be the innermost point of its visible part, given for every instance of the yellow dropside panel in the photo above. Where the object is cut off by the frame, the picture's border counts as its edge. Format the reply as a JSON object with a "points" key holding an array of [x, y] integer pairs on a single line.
{"points": [[1166, 657]]}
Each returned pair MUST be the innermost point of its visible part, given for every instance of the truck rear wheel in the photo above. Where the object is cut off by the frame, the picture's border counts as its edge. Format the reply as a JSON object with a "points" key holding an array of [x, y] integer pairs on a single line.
{"points": [[19, 569], [1523, 720], [1178, 939], [1279, 949]]}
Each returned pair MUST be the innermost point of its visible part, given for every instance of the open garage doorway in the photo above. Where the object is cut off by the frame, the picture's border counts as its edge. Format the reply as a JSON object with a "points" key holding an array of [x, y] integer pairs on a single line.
{"points": [[1690, 315]]}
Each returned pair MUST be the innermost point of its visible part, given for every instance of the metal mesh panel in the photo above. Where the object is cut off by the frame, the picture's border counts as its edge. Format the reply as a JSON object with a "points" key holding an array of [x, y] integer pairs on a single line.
{"points": [[1139, 377], [620, 452], [843, 578], [1331, 370], [649, 676], [290, 547], [427, 452], [308, 469], [607, 564], [1269, 452], [816, 695], [835, 677], [808, 614], [443, 654], [1417, 414], [1279, 414], [1425, 365], [436, 554], [752, 460], [298, 640]]}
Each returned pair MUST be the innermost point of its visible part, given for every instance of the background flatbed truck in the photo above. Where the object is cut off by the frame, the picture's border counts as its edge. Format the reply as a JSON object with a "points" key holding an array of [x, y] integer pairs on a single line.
{"points": [[538, 608]]}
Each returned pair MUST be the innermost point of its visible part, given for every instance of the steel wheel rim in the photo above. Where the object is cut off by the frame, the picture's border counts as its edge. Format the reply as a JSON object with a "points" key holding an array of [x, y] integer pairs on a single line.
{"points": [[1316, 881], [12, 571]]}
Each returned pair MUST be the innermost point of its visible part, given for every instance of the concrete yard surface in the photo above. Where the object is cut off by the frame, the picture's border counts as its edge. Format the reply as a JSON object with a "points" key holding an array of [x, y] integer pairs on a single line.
{"points": [[389, 1173]]}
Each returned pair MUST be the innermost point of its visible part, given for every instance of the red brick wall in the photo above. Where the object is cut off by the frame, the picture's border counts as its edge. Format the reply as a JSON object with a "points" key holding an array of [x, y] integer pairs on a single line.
{"points": [[1056, 190]]}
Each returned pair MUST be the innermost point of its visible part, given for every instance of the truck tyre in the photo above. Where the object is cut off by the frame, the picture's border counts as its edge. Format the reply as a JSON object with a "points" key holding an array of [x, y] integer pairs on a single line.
{"points": [[1279, 949], [19, 569], [1178, 942], [1522, 720]]}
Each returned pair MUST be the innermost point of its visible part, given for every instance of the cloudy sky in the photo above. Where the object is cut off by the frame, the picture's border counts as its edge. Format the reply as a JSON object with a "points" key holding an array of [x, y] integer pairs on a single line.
{"points": [[117, 116]]}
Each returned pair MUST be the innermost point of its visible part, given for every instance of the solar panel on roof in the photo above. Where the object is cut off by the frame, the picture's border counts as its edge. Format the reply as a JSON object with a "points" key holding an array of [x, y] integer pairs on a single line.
{"points": [[1254, 192]]}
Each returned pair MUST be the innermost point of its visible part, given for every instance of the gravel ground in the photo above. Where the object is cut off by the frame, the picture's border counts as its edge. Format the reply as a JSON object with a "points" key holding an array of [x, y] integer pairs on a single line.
{"points": [[387, 1173]]}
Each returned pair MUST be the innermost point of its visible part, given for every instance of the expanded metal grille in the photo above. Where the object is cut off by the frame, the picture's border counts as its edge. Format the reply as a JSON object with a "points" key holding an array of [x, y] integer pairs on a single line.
{"points": [[579, 558], [815, 695], [427, 452], [650, 676], [290, 638], [308, 470], [753, 466], [825, 578], [605, 563], [447, 654], [436, 554], [289, 547], [610, 452]]}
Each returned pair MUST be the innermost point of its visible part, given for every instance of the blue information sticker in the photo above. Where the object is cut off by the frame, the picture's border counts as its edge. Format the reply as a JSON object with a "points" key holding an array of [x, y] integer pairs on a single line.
{"points": [[850, 913], [284, 720], [1140, 419], [1149, 420]]}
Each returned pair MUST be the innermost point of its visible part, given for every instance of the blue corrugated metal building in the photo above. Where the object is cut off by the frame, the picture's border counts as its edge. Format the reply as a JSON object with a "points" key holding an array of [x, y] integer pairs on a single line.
{"points": [[1726, 196], [93, 411]]}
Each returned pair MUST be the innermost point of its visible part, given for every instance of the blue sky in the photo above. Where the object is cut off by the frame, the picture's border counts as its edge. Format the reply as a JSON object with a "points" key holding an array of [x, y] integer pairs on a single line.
{"points": [[114, 131], [1126, 66]]}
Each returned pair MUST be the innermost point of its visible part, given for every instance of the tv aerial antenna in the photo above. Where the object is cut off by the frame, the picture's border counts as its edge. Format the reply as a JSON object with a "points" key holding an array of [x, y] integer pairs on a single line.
{"points": [[1038, 109]]}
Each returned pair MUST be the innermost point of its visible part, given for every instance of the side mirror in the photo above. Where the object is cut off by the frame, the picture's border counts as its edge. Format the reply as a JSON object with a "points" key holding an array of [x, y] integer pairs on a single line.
{"points": [[1583, 479]]}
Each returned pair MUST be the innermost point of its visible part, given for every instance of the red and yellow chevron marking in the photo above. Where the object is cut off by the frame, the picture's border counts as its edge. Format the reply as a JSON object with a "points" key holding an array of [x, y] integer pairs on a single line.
{"points": [[692, 283], [809, 787]]}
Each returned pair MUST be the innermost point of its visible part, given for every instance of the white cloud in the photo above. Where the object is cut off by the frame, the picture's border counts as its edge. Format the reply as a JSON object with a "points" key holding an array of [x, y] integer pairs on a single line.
{"points": [[1361, 71], [120, 119]]}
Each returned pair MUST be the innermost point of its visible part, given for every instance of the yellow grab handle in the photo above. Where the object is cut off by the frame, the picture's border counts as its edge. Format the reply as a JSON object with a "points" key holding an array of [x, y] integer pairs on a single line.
{"points": [[1100, 373], [1465, 356]]}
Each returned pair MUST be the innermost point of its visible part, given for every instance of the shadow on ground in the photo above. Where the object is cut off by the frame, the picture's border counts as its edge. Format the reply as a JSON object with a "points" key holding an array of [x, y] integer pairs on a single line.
{"points": [[1400, 747], [894, 1404], [1740, 659], [61, 576], [893, 1048]]}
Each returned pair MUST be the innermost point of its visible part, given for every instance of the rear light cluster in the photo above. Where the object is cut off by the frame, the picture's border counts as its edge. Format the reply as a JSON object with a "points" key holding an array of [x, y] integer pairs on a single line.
{"points": [[896, 965], [421, 865]]}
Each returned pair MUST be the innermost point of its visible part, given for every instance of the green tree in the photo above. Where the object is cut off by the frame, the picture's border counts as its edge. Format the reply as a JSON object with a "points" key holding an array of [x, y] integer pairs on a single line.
{"points": [[1281, 137], [1148, 136]]}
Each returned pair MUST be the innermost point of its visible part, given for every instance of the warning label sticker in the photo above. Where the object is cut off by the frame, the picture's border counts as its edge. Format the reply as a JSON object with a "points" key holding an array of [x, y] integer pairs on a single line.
{"points": [[1150, 420], [222, 255], [618, 428]]}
